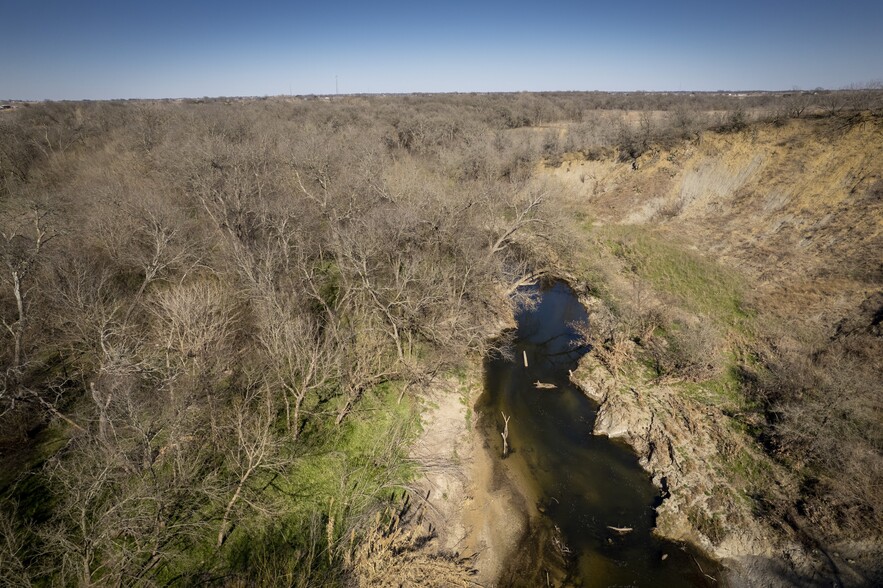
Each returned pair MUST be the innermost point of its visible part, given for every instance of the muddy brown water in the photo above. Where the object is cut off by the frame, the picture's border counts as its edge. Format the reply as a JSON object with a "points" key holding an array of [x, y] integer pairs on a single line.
{"points": [[580, 484]]}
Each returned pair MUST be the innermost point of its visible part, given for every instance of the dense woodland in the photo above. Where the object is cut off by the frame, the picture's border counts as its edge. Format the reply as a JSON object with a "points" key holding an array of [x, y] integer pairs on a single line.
{"points": [[219, 315]]}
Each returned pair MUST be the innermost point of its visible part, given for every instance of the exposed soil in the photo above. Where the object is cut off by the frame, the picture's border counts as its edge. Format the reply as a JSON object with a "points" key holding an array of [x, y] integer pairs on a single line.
{"points": [[475, 510], [797, 208]]}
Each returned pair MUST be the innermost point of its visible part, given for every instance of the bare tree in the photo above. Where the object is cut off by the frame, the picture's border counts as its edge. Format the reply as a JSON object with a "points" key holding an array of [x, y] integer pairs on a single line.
{"points": [[194, 321], [24, 239], [14, 571], [158, 246], [301, 356], [523, 213], [797, 102], [253, 449]]}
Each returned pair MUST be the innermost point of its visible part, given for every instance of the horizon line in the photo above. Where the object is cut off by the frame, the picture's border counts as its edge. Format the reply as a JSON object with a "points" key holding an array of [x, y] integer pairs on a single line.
{"points": [[870, 86]]}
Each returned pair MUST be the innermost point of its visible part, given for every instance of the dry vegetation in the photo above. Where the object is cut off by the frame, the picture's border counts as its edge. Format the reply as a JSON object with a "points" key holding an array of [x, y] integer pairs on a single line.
{"points": [[219, 315], [739, 280]]}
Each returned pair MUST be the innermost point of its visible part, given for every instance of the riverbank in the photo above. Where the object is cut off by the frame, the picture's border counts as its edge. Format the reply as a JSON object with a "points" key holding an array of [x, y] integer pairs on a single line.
{"points": [[735, 287], [707, 473], [474, 512], [555, 510], [736, 284]]}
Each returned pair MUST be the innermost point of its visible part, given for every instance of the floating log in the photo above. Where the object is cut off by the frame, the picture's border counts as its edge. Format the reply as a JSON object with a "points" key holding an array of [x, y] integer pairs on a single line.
{"points": [[543, 385], [524, 353], [620, 529]]}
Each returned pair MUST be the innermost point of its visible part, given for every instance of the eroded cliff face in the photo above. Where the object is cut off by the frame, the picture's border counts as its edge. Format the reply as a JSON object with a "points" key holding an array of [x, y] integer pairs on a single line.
{"points": [[709, 475], [750, 262], [682, 446], [797, 207]]}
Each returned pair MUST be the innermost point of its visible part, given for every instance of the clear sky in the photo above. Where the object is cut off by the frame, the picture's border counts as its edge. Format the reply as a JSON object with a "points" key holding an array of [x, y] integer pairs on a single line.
{"points": [[71, 49]]}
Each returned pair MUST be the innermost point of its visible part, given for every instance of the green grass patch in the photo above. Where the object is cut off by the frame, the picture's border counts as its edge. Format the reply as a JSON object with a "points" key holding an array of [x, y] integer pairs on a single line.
{"points": [[699, 283], [723, 391], [753, 469], [339, 474], [362, 459]]}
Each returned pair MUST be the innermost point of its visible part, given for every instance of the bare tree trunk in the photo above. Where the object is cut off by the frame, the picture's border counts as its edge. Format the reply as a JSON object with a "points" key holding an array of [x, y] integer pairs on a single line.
{"points": [[103, 404], [505, 435], [287, 404], [20, 264], [253, 447], [17, 328], [225, 520], [55, 412], [295, 426], [344, 410], [18, 333]]}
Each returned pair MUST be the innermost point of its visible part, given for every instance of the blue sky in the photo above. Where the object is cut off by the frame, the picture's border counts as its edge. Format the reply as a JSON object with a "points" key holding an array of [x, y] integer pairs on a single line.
{"points": [[132, 48]]}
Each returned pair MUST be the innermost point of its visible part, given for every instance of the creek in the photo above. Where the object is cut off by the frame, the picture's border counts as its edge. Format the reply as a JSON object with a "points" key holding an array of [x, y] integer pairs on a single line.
{"points": [[577, 486]]}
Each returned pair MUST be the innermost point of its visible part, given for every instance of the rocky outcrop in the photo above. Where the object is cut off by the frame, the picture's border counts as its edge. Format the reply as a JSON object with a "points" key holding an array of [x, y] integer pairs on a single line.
{"points": [[697, 462], [710, 474]]}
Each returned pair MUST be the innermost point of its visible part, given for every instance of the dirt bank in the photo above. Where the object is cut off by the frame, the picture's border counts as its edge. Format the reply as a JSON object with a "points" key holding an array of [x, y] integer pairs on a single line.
{"points": [[738, 282], [691, 455], [475, 512]]}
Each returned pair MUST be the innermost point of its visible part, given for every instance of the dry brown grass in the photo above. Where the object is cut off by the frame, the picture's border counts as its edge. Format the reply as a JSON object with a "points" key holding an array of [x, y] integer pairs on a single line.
{"points": [[397, 550]]}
